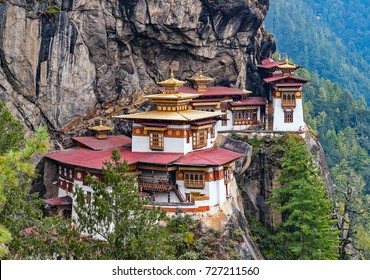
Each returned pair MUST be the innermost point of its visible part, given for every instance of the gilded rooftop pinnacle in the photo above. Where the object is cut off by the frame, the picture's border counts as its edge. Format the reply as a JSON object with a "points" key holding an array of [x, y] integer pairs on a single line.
{"points": [[100, 127], [171, 83]]}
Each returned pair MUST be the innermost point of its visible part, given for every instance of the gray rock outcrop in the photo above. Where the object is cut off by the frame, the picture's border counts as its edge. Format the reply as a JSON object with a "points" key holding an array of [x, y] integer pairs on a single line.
{"points": [[64, 62]]}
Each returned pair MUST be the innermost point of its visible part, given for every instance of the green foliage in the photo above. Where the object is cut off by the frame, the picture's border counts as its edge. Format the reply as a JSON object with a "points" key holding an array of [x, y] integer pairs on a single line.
{"points": [[270, 248], [341, 123], [117, 215], [12, 133], [342, 126], [253, 141], [49, 8], [352, 206], [189, 241], [52, 10], [18, 208], [306, 231]]}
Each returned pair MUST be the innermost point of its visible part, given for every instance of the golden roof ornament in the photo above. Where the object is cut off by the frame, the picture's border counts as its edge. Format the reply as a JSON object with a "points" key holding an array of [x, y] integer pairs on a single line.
{"points": [[200, 82], [171, 85], [101, 130], [287, 65]]}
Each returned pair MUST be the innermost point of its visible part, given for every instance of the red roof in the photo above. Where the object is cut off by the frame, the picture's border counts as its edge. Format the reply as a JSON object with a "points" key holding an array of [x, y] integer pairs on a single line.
{"points": [[270, 64], [222, 91], [112, 141], [208, 157], [279, 78], [199, 100], [255, 100], [59, 201], [94, 159]]}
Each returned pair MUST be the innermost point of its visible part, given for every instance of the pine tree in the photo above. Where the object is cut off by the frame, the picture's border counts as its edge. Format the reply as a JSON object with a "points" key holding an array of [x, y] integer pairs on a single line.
{"points": [[307, 228], [117, 216], [19, 209]]}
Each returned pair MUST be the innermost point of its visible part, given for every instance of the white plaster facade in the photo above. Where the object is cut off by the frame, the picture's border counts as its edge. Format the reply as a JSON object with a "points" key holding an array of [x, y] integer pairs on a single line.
{"points": [[298, 121], [171, 144]]}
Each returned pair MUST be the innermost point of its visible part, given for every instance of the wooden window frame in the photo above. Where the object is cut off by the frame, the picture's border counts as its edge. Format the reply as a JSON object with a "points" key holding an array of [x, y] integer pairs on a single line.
{"points": [[288, 99], [200, 138], [194, 180], [288, 116], [156, 140], [66, 172], [243, 116]]}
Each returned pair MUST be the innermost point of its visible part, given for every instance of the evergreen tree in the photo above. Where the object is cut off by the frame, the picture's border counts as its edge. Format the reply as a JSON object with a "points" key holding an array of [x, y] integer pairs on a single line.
{"points": [[19, 209], [12, 133], [117, 216], [306, 231]]}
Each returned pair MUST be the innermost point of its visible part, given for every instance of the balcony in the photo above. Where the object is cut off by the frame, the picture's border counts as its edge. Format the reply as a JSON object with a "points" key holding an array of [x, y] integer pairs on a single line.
{"points": [[153, 183], [288, 103]]}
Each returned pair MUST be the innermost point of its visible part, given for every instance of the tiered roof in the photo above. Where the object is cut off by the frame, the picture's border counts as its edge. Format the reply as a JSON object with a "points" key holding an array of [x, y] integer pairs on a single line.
{"points": [[94, 159], [172, 104]]}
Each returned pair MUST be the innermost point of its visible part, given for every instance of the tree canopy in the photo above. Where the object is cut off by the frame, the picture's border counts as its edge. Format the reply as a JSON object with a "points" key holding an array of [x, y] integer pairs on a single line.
{"points": [[307, 228], [117, 216]]}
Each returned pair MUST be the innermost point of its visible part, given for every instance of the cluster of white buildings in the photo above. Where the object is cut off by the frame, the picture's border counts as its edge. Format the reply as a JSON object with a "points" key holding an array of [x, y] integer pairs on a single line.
{"points": [[172, 149]]}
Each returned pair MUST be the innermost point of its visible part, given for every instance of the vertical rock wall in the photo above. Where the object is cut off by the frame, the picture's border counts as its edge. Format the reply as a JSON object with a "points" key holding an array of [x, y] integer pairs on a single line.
{"points": [[65, 61]]}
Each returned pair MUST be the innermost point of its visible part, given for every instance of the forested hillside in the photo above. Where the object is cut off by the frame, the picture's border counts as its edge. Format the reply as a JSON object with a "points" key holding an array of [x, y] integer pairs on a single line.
{"points": [[328, 37], [349, 20], [341, 123]]}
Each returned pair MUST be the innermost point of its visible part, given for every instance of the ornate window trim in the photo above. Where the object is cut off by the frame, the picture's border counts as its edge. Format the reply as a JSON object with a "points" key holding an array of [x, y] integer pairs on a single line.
{"points": [[288, 99], [288, 116], [194, 180], [156, 140], [200, 138]]}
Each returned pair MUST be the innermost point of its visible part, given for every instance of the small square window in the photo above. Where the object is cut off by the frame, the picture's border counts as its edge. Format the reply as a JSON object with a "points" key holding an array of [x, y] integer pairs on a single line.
{"points": [[288, 116]]}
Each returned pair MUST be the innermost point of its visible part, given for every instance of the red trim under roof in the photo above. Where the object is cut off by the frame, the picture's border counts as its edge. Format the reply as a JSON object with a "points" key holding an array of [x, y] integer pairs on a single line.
{"points": [[94, 159], [154, 124], [208, 157], [198, 100], [289, 84], [204, 122], [279, 78], [255, 100], [112, 141]]}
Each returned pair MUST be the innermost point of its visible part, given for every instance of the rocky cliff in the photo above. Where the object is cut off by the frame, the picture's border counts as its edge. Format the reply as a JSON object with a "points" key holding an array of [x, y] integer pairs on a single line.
{"points": [[64, 62]]}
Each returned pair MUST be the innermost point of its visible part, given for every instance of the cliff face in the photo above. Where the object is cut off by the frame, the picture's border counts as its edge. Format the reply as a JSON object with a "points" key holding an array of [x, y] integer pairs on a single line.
{"points": [[261, 178], [64, 62]]}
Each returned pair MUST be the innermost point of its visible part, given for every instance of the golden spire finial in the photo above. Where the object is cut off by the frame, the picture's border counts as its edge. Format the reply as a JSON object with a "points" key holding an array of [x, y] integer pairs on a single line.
{"points": [[286, 59], [171, 74], [279, 56], [101, 122]]}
